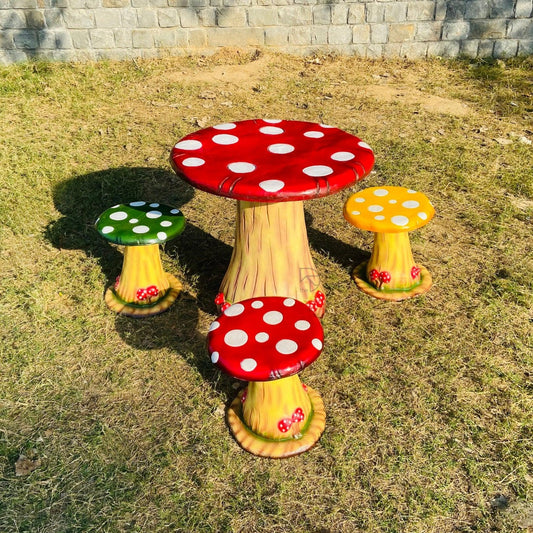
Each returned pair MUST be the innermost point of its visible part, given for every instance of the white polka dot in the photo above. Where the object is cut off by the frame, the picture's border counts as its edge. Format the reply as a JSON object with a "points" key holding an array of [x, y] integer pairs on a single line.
{"points": [[317, 343], [288, 302], [286, 346], [137, 204], [175, 211], [327, 126], [115, 206], [359, 200], [318, 171], [272, 185], [270, 130], [248, 365], [399, 220], [141, 229], [410, 191], [234, 310], [381, 192], [272, 120], [257, 304], [189, 145], [107, 229], [236, 338], [214, 357], [273, 317], [314, 134], [241, 167], [133, 220], [214, 325], [422, 215], [118, 215], [342, 156], [375, 208], [411, 204], [161, 235], [302, 325], [281, 148], [356, 212], [364, 145], [393, 201], [225, 139], [193, 162], [154, 205], [166, 223], [262, 337], [379, 217], [153, 214], [225, 126]]}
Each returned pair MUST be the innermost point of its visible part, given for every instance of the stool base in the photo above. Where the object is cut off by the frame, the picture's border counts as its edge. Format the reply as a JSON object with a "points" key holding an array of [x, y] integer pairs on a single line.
{"points": [[140, 311], [264, 447], [359, 275]]}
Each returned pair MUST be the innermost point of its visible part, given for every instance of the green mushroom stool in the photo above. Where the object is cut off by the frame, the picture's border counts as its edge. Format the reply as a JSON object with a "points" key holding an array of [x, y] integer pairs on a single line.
{"points": [[143, 287]]}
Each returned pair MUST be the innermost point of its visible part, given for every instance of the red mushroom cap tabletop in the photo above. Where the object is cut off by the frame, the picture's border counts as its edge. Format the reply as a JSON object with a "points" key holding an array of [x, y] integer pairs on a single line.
{"points": [[262, 339], [271, 160]]}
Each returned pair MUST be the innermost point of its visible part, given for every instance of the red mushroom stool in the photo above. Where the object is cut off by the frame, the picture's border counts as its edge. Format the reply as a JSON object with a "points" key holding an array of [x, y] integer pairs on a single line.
{"points": [[267, 341], [270, 167], [143, 288], [390, 212]]}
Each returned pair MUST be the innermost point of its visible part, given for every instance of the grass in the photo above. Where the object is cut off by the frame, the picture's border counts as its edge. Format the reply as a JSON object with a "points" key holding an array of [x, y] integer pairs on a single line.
{"points": [[429, 401]]}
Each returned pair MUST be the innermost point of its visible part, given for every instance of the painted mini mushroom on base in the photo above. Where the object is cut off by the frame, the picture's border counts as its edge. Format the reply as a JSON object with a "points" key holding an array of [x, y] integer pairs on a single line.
{"points": [[143, 287], [390, 212], [270, 167], [267, 341]]}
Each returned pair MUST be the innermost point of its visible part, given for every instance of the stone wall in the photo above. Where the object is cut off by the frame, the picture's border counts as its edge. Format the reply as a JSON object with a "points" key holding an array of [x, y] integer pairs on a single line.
{"points": [[120, 29]]}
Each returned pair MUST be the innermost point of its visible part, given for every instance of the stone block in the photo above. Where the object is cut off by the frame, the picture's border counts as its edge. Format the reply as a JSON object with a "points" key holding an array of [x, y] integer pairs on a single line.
{"points": [[196, 37], [525, 47], [140, 3], [428, 31], [295, 16], [123, 38], [391, 50], [260, 16], [455, 9], [504, 49], [146, 18], [356, 13], [322, 14], [361, 33], [188, 18], [168, 18], [277, 36], [339, 14], [396, 12], [107, 18], [523, 9], [142, 38], [240, 37], [6, 40], [300, 35], [53, 18], [235, 3], [455, 31], [375, 12], [319, 35], [164, 38], [231, 17], [399, 33], [8, 57], [469, 48], [115, 3], [26, 39], [23, 4], [487, 29], [159, 3], [485, 48], [35, 19], [128, 17], [102, 38], [444, 49], [501, 8], [477, 9], [12, 19], [379, 33], [340, 34], [78, 19], [440, 9], [207, 16], [413, 50], [63, 39], [374, 51], [422, 10], [520, 29], [80, 39]]}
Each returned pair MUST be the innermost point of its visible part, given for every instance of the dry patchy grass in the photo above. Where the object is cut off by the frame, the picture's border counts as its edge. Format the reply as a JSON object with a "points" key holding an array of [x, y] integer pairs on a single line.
{"points": [[429, 401]]}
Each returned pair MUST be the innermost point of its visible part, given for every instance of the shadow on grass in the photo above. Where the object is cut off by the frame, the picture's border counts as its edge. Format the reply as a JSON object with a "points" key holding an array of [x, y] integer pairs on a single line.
{"points": [[203, 259]]}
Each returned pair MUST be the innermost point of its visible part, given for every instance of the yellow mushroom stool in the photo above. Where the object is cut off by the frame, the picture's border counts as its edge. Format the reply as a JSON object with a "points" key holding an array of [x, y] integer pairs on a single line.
{"points": [[390, 212], [143, 288]]}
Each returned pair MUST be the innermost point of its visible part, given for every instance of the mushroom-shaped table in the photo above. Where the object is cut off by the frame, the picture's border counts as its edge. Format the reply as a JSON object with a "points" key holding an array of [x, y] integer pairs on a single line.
{"points": [[143, 288], [267, 341], [270, 167], [390, 212]]}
